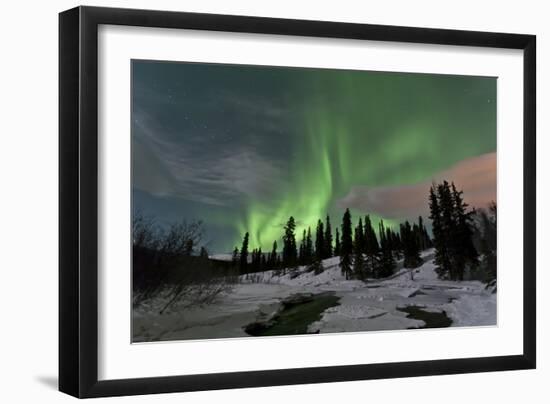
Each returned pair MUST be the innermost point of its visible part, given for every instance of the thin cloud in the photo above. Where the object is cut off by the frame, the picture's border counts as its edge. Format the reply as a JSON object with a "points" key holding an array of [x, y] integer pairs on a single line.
{"points": [[475, 176], [185, 170]]}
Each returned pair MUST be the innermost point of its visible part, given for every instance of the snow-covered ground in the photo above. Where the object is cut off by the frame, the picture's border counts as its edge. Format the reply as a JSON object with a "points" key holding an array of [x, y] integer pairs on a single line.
{"points": [[363, 306]]}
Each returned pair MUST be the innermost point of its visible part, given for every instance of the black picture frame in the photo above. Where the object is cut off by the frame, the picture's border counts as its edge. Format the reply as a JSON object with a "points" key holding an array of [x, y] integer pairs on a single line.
{"points": [[78, 201]]}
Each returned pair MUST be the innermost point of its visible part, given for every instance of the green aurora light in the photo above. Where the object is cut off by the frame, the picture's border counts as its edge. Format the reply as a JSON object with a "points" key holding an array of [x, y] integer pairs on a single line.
{"points": [[319, 133]]}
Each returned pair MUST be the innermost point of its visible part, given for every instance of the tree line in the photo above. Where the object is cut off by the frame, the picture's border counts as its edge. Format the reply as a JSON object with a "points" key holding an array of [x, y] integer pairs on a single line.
{"points": [[364, 252], [464, 241]]}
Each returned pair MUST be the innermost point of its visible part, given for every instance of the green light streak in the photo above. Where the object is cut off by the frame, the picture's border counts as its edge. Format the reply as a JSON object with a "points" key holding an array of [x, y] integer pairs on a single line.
{"points": [[357, 129]]}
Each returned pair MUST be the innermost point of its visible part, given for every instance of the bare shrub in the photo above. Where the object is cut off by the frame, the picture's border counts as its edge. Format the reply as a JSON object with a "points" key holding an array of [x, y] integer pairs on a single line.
{"points": [[171, 263]]}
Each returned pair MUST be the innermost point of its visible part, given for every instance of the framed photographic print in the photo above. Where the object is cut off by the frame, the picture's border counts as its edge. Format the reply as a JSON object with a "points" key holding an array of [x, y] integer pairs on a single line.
{"points": [[251, 201]]}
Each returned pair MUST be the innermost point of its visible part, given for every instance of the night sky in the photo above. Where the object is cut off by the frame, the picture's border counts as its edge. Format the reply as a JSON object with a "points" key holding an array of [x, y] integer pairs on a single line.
{"points": [[242, 148]]}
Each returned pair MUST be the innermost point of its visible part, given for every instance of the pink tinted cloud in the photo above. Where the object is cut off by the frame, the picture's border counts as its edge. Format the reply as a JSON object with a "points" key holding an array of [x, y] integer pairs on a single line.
{"points": [[476, 176]]}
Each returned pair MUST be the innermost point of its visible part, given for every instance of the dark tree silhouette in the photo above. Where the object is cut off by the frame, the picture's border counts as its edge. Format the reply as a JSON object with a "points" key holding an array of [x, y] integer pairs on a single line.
{"points": [[359, 242], [346, 249], [309, 246], [319, 241], [259, 260], [290, 255], [301, 253], [272, 261], [442, 255], [243, 261], [253, 264], [387, 262], [328, 251]]}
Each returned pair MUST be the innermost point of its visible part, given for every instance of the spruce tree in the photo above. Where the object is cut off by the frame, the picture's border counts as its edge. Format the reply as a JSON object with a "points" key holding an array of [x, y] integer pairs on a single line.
{"points": [[261, 260], [290, 254], [446, 205], [309, 247], [316, 261], [389, 239], [258, 264], [371, 242], [273, 256], [319, 241], [328, 239], [302, 252], [244, 255], [346, 248]]}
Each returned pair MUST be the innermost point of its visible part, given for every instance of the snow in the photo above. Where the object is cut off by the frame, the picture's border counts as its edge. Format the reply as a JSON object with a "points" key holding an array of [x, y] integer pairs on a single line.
{"points": [[363, 306], [221, 257]]}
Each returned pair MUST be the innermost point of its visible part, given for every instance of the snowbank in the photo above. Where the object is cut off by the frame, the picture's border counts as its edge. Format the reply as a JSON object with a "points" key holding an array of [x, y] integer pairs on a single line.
{"points": [[363, 306]]}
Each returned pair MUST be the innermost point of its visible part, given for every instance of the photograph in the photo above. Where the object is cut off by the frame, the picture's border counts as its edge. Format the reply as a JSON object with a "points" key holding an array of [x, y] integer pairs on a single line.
{"points": [[276, 201]]}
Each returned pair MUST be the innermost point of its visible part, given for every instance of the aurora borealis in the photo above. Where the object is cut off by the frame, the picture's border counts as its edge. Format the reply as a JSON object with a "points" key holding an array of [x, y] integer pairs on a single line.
{"points": [[242, 148]]}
